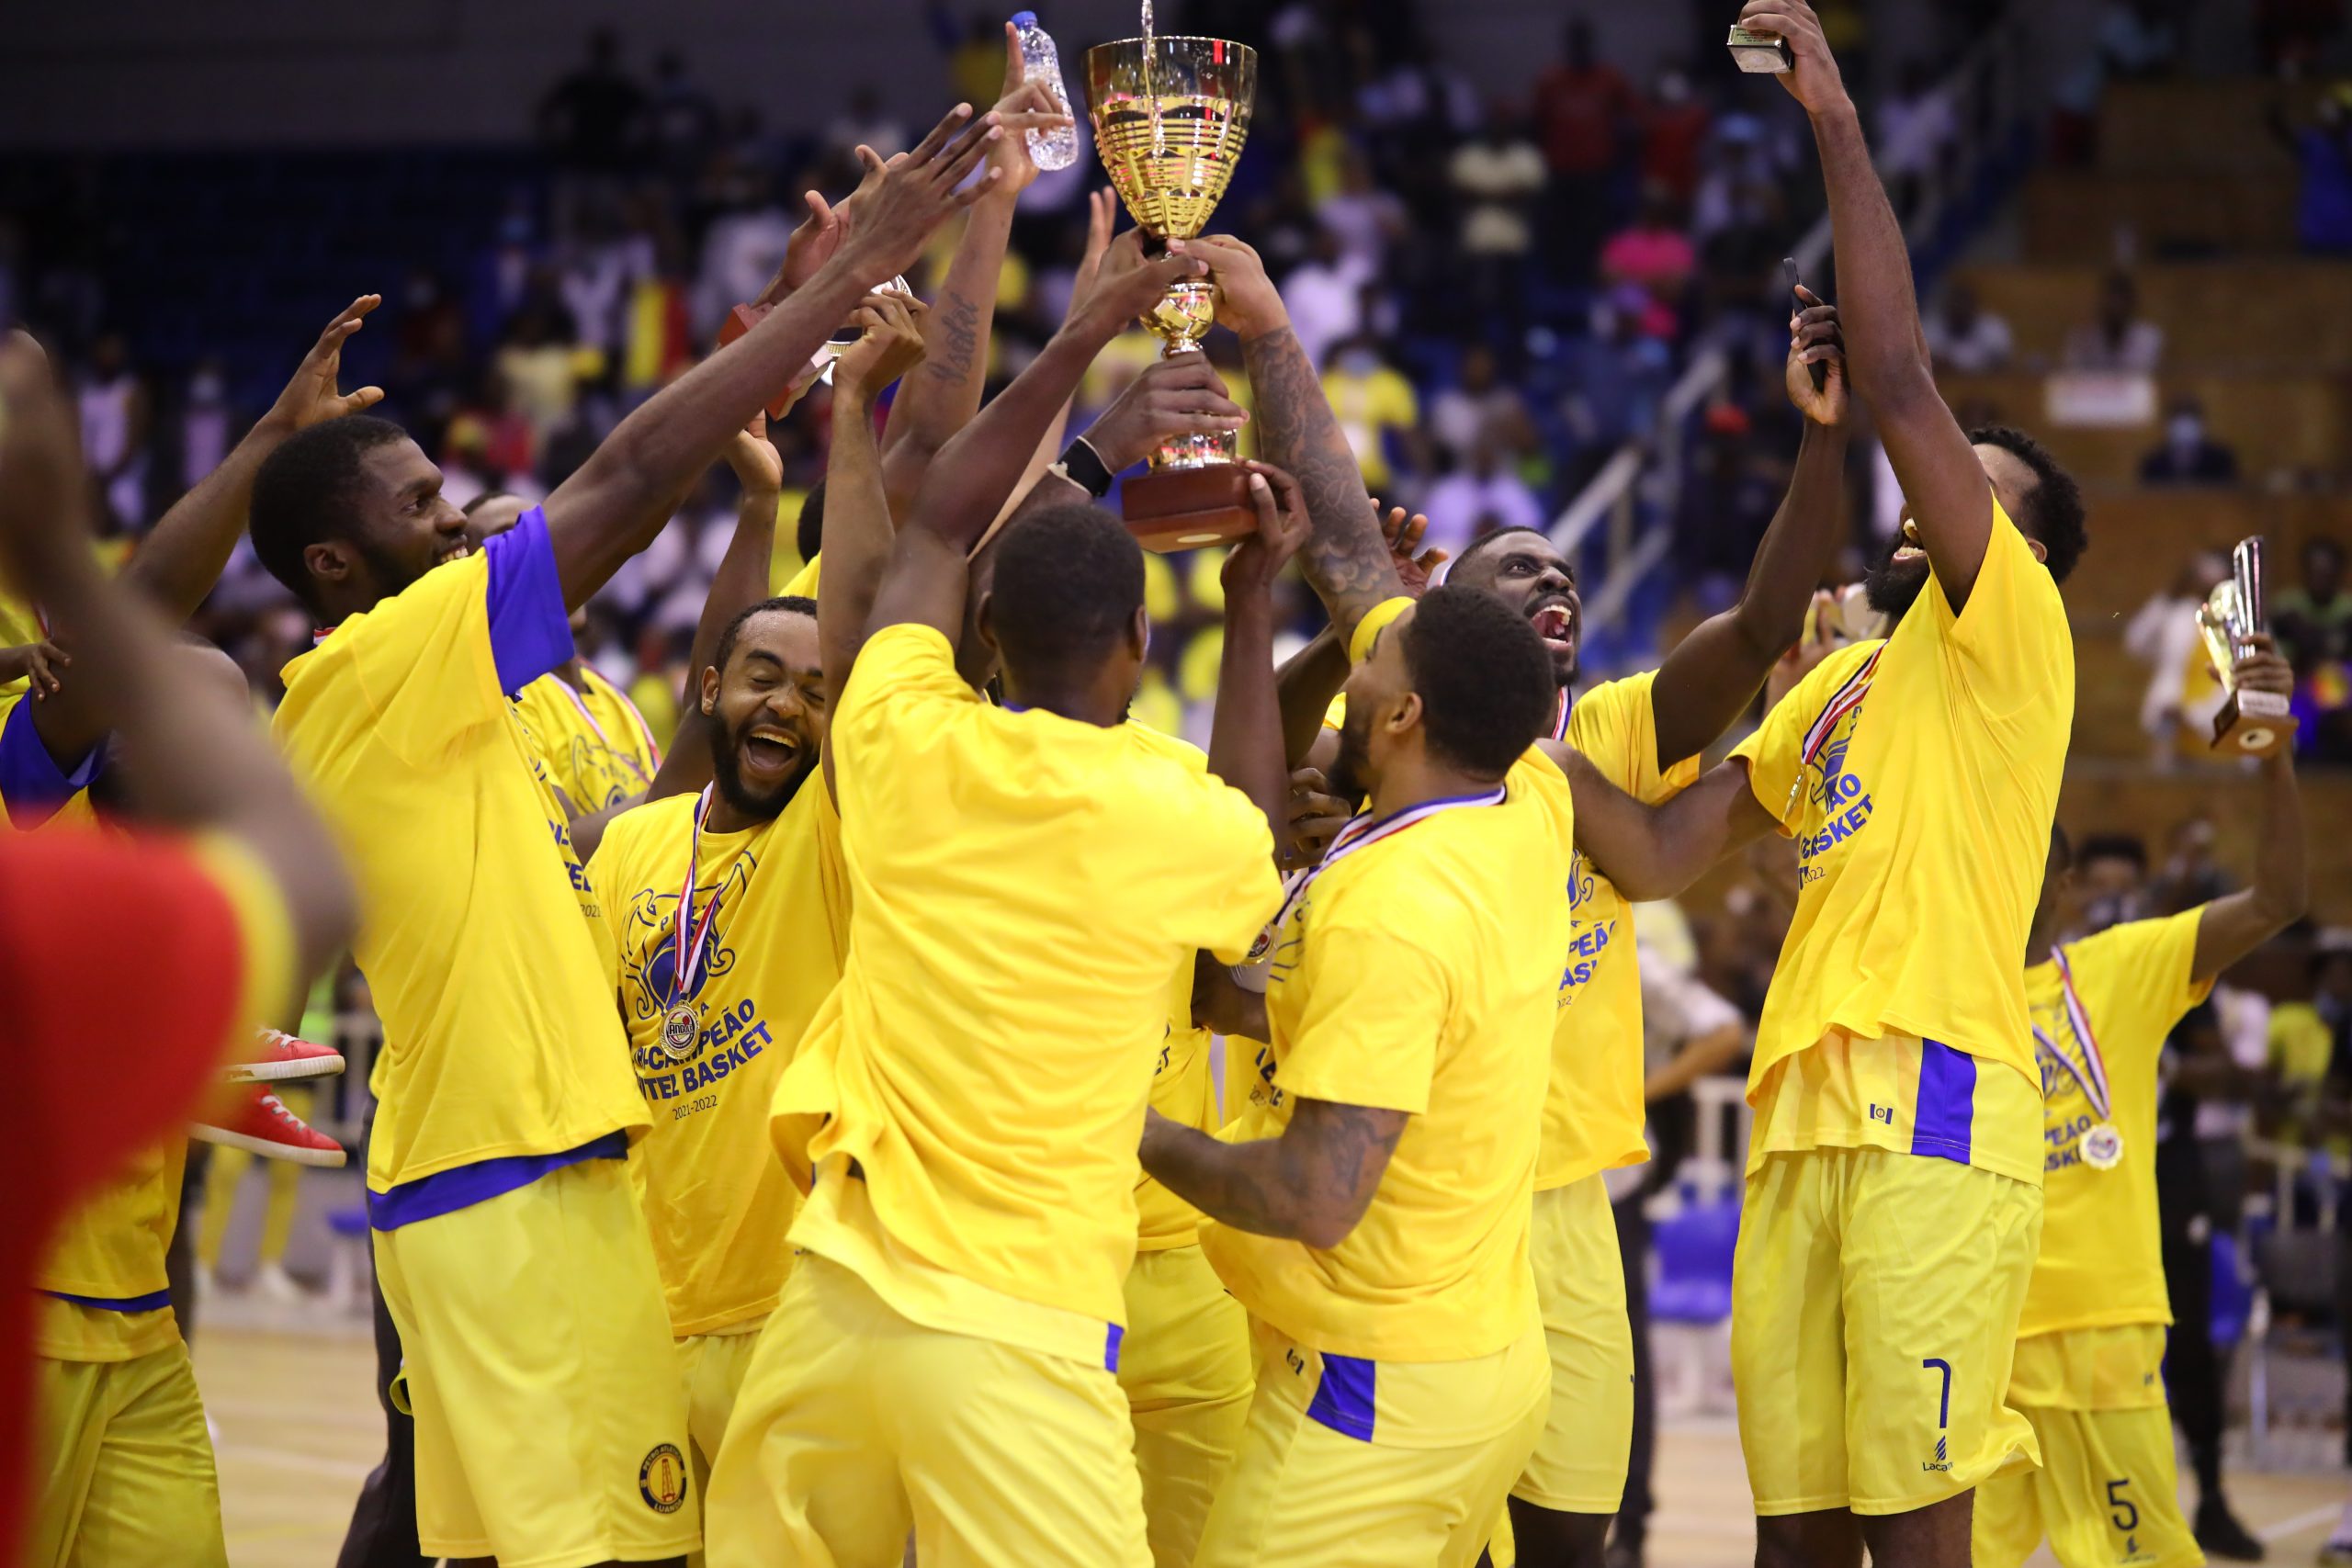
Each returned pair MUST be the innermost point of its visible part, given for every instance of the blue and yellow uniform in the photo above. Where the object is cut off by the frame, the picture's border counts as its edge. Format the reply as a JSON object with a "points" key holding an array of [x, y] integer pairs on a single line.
{"points": [[596, 746], [1894, 1194], [717, 1203], [2091, 1341], [1402, 1375], [968, 1104], [509, 1242]]}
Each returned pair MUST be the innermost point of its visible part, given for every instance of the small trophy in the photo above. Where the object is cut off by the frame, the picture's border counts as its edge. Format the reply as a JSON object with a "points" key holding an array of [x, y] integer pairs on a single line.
{"points": [[2251, 724], [1758, 53], [1170, 117]]}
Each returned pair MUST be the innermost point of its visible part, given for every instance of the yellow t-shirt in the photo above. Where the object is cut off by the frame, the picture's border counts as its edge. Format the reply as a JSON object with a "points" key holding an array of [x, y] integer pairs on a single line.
{"points": [[804, 581], [20, 624], [718, 1201], [1417, 974], [1023, 886], [594, 744], [481, 934], [1593, 1109], [2100, 1263], [1919, 775]]}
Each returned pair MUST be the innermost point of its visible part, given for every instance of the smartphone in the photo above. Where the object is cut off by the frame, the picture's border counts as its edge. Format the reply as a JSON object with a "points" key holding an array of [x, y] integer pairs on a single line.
{"points": [[1789, 271]]}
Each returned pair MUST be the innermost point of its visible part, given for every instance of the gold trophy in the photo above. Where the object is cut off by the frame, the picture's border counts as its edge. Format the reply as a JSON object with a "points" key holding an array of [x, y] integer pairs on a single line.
{"points": [[2251, 724], [1170, 117]]}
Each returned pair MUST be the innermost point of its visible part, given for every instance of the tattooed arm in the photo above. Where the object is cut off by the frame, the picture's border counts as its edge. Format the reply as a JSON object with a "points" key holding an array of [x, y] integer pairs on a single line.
{"points": [[1346, 560], [1312, 1184]]}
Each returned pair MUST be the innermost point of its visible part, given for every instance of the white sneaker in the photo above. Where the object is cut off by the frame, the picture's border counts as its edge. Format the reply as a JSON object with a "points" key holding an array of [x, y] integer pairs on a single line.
{"points": [[272, 1282]]}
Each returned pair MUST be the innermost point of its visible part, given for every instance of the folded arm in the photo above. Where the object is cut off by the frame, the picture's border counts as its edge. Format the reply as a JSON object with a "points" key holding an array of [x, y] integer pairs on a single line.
{"points": [[1312, 1184]]}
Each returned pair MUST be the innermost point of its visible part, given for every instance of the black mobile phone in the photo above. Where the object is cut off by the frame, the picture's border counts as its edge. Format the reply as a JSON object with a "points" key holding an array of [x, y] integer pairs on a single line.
{"points": [[1789, 271]]}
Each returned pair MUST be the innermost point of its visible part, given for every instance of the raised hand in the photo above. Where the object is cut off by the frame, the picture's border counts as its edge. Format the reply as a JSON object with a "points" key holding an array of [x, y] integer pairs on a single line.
{"points": [[1183, 396], [1815, 338], [758, 467], [1024, 106], [37, 664], [1812, 78], [1315, 818], [890, 344], [814, 239], [1247, 299], [1127, 283], [1102, 212], [310, 397], [1283, 527], [1402, 532], [2263, 669], [907, 195]]}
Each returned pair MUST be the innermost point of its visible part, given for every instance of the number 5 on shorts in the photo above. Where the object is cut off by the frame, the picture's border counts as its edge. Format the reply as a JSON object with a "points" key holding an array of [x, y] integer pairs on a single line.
{"points": [[2121, 1510]]}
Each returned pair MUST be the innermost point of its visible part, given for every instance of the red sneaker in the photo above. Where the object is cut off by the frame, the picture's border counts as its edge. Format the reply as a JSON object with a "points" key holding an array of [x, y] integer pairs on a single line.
{"points": [[258, 1123], [278, 1057]]}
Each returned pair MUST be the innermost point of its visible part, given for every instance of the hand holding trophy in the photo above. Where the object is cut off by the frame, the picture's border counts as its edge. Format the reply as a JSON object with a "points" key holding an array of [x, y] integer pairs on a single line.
{"points": [[2254, 720], [1170, 117]]}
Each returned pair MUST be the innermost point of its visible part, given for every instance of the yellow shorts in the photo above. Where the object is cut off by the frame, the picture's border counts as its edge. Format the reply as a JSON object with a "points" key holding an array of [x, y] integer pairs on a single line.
{"points": [[1184, 1365], [855, 1423], [1579, 1465], [1874, 1309], [1379, 1465], [712, 1366], [124, 1473], [535, 1313]]}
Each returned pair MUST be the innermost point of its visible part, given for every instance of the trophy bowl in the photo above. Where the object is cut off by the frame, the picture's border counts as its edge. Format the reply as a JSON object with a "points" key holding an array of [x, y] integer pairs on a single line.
{"points": [[1170, 117]]}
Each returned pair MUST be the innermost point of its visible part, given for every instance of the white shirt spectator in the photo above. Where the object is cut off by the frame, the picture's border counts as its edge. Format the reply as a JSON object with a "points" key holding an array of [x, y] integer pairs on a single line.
{"points": [[2138, 350], [1458, 504], [1325, 303], [1984, 345], [1498, 181]]}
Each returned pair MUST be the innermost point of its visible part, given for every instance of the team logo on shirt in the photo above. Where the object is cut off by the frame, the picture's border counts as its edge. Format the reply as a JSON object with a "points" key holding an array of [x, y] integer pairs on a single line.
{"points": [[1588, 938], [728, 1038], [649, 947], [662, 1479], [1840, 801]]}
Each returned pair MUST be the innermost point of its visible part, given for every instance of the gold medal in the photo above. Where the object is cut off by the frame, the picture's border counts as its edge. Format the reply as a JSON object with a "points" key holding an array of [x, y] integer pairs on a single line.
{"points": [[680, 1027], [2103, 1146]]}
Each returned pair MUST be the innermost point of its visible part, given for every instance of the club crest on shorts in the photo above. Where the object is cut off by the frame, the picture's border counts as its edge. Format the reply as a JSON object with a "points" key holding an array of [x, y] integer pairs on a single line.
{"points": [[662, 1479]]}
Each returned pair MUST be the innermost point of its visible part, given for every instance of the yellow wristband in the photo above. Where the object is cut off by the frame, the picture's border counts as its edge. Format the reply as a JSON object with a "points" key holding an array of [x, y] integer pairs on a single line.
{"points": [[1374, 620]]}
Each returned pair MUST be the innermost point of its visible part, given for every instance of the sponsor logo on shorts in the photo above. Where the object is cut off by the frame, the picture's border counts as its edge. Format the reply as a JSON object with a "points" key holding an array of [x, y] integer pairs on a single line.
{"points": [[662, 1479]]}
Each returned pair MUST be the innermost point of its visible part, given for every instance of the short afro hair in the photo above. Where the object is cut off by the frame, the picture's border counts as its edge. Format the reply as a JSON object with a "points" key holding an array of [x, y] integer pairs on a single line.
{"points": [[2054, 511], [307, 488], [790, 604], [1068, 583], [1484, 677], [808, 533], [1472, 550]]}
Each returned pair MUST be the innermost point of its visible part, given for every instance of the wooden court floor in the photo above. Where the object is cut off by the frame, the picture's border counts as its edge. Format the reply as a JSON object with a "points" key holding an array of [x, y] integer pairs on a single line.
{"points": [[297, 1428]]}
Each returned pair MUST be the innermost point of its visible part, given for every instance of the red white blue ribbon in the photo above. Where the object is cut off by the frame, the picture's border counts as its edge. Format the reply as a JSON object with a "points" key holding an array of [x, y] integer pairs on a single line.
{"points": [[644, 731], [1362, 831], [2092, 1072], [686, 955]]}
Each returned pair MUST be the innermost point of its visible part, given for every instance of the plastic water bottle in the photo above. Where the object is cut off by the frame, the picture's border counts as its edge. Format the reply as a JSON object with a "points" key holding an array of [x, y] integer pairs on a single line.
{"points": [[1056, 147]]}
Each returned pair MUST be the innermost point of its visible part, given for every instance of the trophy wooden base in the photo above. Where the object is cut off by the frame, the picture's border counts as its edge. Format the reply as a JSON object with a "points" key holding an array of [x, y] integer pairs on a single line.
{"points": [[2253, 723], [1183, 509]]}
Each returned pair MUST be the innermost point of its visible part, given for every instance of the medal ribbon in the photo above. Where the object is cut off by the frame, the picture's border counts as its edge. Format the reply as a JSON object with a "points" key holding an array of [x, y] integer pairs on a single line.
{"points": [[2092, 1073], [1560, 717], [1362, 832], [687, 959], [1845, 700], [644, 732]]}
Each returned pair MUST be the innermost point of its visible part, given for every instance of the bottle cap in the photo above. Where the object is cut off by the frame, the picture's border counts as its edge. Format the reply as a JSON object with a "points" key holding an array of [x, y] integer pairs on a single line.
{"points": [[1024, 19]]}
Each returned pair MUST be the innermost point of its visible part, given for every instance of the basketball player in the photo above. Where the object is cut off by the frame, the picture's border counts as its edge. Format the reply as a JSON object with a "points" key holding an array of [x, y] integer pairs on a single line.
{"points": [[1893, 1203], [512, 1248], [716, 989], [223, 925], [1370, 1210], [1024, 880], [1644, 734], [2088, 1373]]}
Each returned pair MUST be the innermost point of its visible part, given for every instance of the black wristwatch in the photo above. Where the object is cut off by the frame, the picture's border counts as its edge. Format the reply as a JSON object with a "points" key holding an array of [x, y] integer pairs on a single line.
{"points": [[1083, 465]]}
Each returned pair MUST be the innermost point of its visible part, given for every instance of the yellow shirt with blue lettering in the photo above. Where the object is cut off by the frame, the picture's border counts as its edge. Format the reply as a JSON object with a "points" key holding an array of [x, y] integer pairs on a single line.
{"points": [[1023, 886], [594, 769], [1920, 789], [1419, 974], [2101, 1263], [481, 937], [717, 1200]]}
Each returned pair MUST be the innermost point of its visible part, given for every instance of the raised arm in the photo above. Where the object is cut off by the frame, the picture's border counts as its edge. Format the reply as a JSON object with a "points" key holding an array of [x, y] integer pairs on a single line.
{"points": [[1713, 674], [192, 757], [617, 502], [1346, 562], [1245, 736], [969, 482], [1655, 852], [2229, 928], [855, 540], [1950, 500], [1311, 1184]]}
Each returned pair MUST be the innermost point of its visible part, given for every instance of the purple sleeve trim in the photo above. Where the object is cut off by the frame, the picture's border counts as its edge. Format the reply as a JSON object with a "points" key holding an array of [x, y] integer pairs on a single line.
{"points": [[32, 785], [530, 630]]}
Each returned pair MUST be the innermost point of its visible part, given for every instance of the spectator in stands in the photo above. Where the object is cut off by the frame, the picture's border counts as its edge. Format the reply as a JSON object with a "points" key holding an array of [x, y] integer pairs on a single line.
{"points": [[740, 252], [2324, 153], [2111, 880], [1653, 252], [537, 369], [1582, 107], [679, 124], [1375, 406], [2118, 338], [2183, 692], [1325, 295], [208, 424], [589, 118], [1497, 177], [2189, 455], [1966, 337], [865, 121], [2313, 623], [1917, 128], [1365, 216], [1480, 496], [1481, 409], [1616, 377], [2290, 34], [2307, 1037], [2137, 39], [1674, 132], [116, 411]]}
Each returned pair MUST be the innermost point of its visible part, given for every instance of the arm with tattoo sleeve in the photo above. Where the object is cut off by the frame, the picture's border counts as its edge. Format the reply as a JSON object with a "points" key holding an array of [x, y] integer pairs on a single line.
{"points": [[1311, 1184]]}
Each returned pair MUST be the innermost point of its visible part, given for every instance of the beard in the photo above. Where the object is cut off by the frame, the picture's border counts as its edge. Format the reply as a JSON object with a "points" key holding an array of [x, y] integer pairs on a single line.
{"points": [[1348, 774], [1891, 586], [762, 804]]}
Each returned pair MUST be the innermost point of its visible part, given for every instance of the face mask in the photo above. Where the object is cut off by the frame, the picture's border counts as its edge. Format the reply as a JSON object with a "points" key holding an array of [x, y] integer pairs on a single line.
{"points": [[2185, 430]]}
